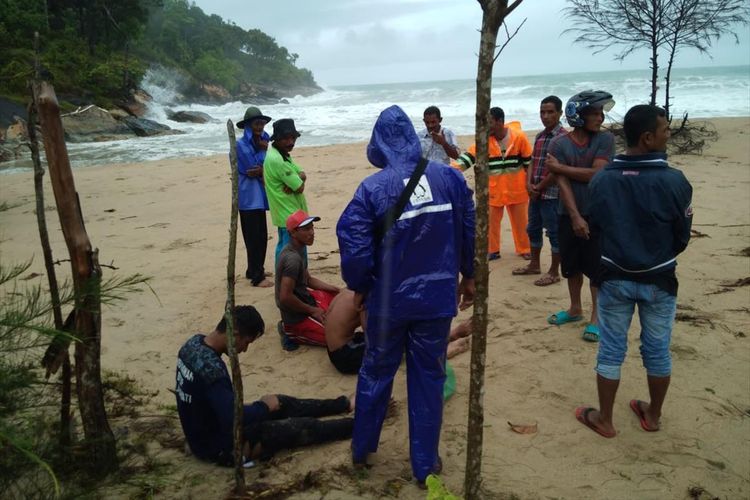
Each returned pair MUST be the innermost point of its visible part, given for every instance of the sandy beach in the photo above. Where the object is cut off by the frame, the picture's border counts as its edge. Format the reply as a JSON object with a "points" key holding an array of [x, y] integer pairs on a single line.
{"points": [[169, 220]]}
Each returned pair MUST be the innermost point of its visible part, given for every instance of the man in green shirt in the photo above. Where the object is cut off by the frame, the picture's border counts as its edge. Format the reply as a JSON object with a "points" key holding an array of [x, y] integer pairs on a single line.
{"points": [[284, 179]]}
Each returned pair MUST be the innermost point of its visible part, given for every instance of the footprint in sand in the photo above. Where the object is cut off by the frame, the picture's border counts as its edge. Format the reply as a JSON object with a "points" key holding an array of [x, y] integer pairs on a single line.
{"points": [[180, 243]]}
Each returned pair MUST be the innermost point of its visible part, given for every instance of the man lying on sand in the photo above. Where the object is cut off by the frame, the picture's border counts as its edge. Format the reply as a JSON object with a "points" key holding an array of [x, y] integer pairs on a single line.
{"points": [[346, 345], [205, 402]]}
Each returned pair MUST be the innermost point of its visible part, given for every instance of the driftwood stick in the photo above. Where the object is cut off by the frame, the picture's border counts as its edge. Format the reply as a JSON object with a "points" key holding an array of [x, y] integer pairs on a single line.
{"points": [[86, 273], [239, 471]]}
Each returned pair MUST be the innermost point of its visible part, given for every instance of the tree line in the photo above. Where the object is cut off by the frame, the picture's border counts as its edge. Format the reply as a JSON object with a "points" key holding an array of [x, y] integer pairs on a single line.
{"points": [[98, 50]]}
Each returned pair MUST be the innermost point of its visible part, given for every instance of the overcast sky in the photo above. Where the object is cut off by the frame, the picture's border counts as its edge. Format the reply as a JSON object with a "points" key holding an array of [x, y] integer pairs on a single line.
{"points": [[378, 41]]}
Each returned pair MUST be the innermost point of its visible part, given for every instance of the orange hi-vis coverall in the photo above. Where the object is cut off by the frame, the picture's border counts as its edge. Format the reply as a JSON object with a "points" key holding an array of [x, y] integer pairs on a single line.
{"points": [[507, 185]]}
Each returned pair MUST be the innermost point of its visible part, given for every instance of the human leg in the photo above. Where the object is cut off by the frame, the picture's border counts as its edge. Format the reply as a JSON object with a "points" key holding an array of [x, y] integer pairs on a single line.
{"points": [[255, 234], [518, 213], [284, 238], [276, 435], [534, 233], [425, 363], [290, 407], [656, 310], [385, 346], [493, 228], [550, 221]]}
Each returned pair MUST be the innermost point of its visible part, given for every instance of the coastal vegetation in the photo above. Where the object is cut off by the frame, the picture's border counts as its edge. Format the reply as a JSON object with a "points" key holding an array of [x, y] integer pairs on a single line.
{"points": [[98, 50]]}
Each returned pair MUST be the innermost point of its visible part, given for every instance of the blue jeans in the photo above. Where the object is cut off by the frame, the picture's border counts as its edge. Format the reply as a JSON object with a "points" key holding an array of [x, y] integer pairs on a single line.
{"points": [[656, 310], [543, 215]]}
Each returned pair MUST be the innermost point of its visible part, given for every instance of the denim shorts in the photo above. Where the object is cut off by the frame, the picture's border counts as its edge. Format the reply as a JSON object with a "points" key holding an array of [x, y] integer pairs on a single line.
{"points": [[543, 215], [656, 311]]}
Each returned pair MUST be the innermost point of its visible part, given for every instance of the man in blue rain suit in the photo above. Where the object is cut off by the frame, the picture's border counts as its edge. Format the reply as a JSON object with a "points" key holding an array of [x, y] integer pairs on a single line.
{"points": [[408, 282]]}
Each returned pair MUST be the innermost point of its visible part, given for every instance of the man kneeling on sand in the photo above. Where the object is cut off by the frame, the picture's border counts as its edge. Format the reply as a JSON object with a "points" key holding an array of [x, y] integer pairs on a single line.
{"points": [[346, 345], [302, 299], [205, 402]]}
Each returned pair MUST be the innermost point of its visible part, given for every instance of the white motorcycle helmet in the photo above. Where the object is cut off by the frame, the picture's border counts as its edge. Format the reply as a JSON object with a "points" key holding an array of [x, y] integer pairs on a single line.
{"points": [[586, 99]]}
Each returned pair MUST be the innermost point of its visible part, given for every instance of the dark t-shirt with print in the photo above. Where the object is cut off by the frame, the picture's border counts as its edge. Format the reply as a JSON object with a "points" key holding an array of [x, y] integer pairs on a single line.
{"points": [[292, 264], [569, 152]]}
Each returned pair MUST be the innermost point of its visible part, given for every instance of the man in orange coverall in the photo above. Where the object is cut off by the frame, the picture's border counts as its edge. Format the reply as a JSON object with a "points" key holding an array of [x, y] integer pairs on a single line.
{"points": [[510, 154]]}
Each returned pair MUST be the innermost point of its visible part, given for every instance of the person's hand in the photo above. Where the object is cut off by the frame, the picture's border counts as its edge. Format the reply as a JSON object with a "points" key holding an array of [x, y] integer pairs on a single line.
{"points": [[552, 164], [359, 301], [318, 315], [287, 190], [438, 137], [303, 176], [272, 402], [533, 191], [262, 144], [466, 291], [580, 227], [256, 171]]}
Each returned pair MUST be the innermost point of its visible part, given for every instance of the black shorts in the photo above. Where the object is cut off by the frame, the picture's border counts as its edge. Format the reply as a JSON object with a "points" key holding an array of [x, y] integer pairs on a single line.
{"points": [[577, 255], [348, 358]]}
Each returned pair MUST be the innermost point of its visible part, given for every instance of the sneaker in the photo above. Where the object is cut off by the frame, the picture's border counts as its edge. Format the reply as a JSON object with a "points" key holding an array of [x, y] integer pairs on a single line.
{"points": [[286, 343], [493, 256]]}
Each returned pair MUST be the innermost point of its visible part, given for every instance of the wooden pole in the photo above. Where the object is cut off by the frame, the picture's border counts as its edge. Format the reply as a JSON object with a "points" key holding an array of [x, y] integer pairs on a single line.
{"points": [[86, 273], [239, 471], [41, 219]]}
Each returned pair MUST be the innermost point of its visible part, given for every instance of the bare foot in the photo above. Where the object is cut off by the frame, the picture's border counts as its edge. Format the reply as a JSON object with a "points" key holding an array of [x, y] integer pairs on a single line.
{"points": [[264, 284], [460, 331], [458, 346]]}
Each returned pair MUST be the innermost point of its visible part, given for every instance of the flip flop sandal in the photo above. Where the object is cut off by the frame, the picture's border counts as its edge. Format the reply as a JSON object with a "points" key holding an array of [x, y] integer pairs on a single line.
{"points": [[547, 280], [591, 333], [562, 317], [635, 405], [523, 271], [582, 415]]}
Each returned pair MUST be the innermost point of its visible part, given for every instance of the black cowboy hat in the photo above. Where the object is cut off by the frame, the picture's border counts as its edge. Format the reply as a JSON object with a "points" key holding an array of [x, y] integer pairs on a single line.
{"points": [[284, 127], [251, 114]]}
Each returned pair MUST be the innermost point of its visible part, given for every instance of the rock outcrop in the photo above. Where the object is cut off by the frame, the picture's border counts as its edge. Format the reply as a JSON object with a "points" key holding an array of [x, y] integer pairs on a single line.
{"points": [[189, 117], [143, 127]]}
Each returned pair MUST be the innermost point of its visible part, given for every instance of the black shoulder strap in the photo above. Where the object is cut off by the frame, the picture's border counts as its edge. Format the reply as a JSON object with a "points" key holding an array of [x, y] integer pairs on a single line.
{"points": [[393, 213]]}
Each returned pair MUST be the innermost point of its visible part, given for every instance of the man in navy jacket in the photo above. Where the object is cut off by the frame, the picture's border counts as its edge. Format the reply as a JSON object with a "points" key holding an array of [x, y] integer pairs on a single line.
{"points": [[408, 280], [642, 208], [205, 401]]}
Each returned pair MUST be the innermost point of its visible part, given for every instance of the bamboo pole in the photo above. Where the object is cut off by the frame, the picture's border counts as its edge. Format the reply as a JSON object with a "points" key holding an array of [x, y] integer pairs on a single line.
{"points": [[86, 273], [239, 471]]}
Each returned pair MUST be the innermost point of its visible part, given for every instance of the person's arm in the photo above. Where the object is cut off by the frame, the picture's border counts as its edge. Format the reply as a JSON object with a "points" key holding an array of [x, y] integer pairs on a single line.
{"points": [[247, 162], [532, 189], [467, 159], [318, 284], [290, 301], [684, 219], [356, 236], [447, 140], [578, 223], [574, 173], [548, 180]]}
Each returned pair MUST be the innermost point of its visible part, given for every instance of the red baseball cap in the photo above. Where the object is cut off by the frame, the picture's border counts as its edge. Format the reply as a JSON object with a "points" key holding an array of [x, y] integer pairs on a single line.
{"points": [[298, 219]]}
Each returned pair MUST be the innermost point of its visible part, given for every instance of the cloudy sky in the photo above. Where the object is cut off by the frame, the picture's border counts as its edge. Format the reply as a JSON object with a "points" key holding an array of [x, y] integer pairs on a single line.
{"points": [[379, 41]]}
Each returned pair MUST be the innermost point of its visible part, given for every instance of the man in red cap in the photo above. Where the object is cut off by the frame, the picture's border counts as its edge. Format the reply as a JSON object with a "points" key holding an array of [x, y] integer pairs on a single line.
{"points": [[302, 299]]}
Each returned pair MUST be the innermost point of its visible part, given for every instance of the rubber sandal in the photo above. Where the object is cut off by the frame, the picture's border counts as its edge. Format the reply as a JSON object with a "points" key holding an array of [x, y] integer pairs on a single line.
{"points": [[591, 333], [636, 407], [493, 256], [523, 271], [562, 317], [547, 280], [582, 415]]}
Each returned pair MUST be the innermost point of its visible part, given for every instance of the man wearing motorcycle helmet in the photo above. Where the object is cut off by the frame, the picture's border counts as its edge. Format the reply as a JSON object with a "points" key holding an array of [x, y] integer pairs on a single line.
{"points": [[575, 158]]}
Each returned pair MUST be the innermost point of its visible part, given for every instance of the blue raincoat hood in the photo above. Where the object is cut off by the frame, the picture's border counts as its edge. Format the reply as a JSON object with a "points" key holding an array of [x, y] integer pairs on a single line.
{"points": [[394, 142]]}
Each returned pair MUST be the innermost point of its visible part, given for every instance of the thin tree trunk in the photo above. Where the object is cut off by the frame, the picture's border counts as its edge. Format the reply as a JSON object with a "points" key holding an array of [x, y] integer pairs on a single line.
{"points": [[49, 261], [86, 273], [239, 471], [668, 82], [654, 73], [492, 18]]}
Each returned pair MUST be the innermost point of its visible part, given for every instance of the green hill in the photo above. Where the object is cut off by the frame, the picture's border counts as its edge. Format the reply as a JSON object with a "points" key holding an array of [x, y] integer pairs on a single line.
{"points": [[98, 50]]}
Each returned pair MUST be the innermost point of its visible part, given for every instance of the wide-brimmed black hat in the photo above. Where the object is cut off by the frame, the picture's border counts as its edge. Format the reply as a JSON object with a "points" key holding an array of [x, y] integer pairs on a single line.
{"points": [[283, 128], [251, 114]]}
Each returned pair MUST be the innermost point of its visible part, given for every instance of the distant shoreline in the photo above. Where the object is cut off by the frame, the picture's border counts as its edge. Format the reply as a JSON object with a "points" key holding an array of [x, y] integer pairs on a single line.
{"points": [[464, 140]]}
